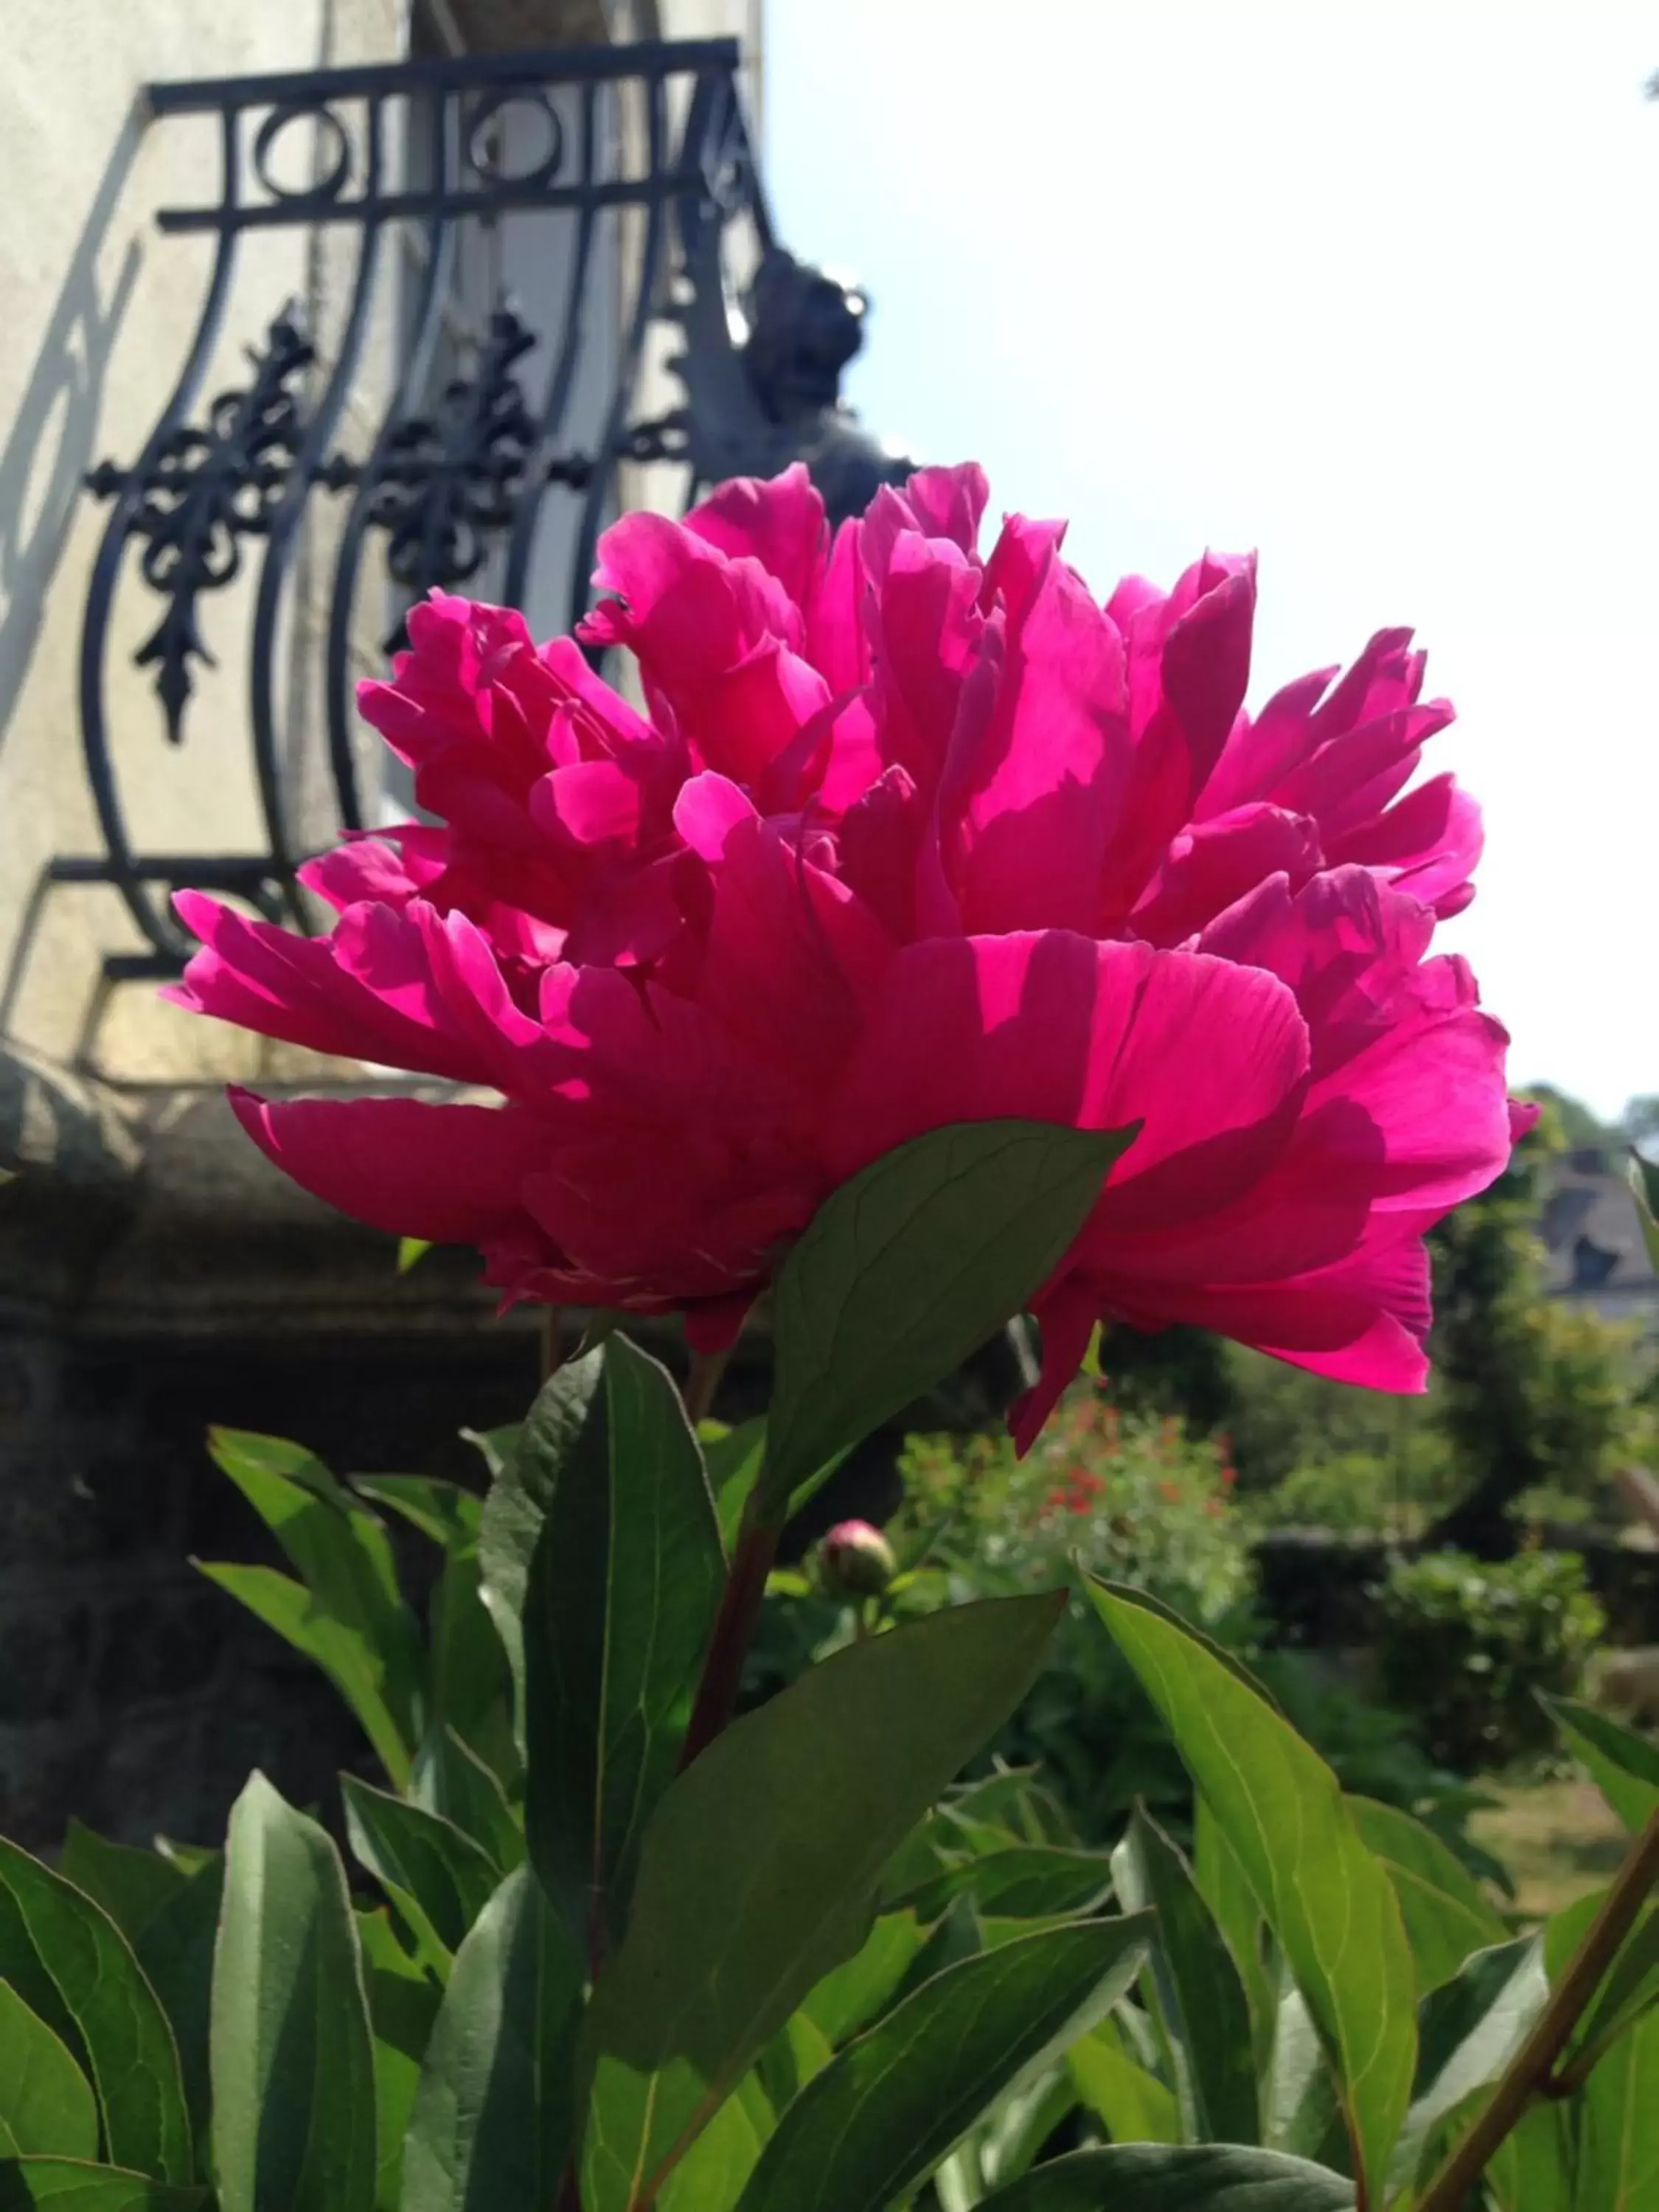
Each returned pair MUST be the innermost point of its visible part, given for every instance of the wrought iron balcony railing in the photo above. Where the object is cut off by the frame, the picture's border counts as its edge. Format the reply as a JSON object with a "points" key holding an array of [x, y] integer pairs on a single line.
{"points": [[483, 478]]}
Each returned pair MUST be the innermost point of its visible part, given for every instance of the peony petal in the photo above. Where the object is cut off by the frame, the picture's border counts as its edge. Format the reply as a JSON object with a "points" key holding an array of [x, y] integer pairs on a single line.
{"points": [[302, 990], [1053, 1026], [451, 1175], [1033, 827], [778, 521]]}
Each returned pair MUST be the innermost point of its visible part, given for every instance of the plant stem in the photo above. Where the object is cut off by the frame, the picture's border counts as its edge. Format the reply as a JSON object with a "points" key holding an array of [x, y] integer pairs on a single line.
{"points": [[552, 1341], [1528, 2073], [702, 1382], [734, 1626]]}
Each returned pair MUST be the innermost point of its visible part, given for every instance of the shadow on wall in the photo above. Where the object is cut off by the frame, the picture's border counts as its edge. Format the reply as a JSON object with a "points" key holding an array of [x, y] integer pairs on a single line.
{"points": [[50, 445]]}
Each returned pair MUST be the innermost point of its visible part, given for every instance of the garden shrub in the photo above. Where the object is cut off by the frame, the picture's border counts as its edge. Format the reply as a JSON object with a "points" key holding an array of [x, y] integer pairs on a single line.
{"points": [[1465, 1648]]}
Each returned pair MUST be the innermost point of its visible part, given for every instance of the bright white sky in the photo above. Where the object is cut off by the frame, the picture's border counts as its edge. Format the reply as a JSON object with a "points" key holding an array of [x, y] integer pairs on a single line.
{"points": [[1373, 289]]}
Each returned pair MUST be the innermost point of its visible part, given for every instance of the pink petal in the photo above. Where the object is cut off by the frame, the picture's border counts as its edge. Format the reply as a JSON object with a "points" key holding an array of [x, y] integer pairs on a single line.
{"points": [[1046, 784], [779, 521], [450, 1174], [302, 990], [1053, 1026], [1215, 863]]}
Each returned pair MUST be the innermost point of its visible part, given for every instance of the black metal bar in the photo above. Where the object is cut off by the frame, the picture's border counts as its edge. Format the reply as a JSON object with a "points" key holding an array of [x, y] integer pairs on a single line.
{"points": [[156, 925], [143, 966], [562, 375], [599, 484], [551, 64], [484, 200], [455, 476], [349, 562], [284, 525], [200, 871]]}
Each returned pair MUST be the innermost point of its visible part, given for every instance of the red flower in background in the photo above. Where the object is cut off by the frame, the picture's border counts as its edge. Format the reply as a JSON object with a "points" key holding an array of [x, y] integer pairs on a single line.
{"points": [[909, 836]]}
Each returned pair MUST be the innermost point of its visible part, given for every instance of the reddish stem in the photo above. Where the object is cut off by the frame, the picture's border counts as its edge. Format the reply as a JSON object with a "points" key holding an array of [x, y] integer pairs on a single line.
{"points": [[734, 1628]]}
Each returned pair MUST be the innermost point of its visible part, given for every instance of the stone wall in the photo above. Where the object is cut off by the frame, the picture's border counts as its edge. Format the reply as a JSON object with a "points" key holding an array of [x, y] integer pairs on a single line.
{"points": [[156, 1275]]}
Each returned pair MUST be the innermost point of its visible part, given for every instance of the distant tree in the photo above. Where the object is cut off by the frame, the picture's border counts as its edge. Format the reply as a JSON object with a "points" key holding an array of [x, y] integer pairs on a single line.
{"points": [[1526, 1390], [1577, 1125], [1639, 1123]]}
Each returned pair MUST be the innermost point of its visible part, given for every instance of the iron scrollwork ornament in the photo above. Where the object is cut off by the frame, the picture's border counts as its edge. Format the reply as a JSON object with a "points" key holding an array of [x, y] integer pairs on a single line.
{"points": [[451, 480], [204, 491]]}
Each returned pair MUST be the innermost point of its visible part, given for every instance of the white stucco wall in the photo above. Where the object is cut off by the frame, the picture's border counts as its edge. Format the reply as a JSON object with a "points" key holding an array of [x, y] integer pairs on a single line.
{"points": [[99, 310]]}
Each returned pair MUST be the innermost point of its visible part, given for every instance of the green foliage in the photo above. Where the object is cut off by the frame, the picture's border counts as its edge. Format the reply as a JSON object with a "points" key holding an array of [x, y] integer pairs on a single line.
{"points": [[46, 2105], [623, 1586], [1525, 1391], [908, 1267], [292, 2047], [1327, 1900], [1135, 1499], [845, 1958], [795, 1810], [1287, 1424], [71, 1966], [877, 2119], [1466, 1648]]}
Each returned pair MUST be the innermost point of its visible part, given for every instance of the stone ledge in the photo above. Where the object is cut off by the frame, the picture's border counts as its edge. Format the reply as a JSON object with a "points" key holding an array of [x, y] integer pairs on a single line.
{"points": [[145, 1212]]}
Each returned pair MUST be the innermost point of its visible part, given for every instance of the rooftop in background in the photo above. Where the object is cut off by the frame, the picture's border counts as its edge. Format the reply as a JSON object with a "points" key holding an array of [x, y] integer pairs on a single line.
{"points": [[1596, 1255]]}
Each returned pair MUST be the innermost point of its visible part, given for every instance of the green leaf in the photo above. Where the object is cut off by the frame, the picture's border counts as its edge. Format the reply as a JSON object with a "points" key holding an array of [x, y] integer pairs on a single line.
{"points": [[176, 1952], [1020, 2123], [452, 1779], [795, 1810], [410, 1249], [493, 1446], [1130, 2103], [1193, 2178], [439, 1878], [1447, 1918], [468, 1685], [345, 1656], [906, 1269], [1469, 2031], [291, 2046], [712, 2176], [1222, 1885], [70, 2184], [131, 1886], [1531, 2170], [1618, 2127], [1623, 1766], [403, 2005], [851, 1996], [47, 2105], [340, 1552], [733, 1458], [446, 1512], [491, 2127], [957, 1936], [1329, 1903], [96, 1983], [879, 2116], [1027, 1882], [512, 1518], [1644, 1188], [1301, 2111], [1630, 1989], [624, 1586], [1197, 1995]]}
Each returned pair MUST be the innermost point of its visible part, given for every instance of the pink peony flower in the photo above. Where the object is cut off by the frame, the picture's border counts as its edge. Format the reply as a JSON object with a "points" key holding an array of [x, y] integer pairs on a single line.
{"points": [[910, 836]]}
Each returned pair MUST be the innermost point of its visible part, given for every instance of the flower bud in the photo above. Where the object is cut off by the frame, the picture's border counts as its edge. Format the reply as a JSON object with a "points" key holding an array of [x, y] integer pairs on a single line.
{"points": [[855, 1560]]}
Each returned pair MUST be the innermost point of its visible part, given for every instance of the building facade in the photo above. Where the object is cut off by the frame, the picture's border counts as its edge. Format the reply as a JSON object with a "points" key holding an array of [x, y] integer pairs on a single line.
{"points": [[307, 308]]}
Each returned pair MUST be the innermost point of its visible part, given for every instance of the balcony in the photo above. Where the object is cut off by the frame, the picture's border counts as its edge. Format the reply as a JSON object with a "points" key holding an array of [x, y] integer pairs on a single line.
{"points": [[533, 289]]}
